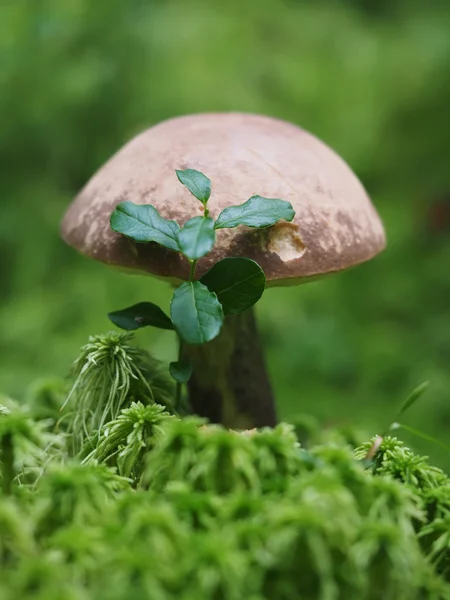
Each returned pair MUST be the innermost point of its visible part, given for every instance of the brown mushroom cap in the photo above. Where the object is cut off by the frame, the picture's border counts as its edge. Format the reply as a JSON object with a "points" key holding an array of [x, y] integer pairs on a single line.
{"points": [[335, 225]]}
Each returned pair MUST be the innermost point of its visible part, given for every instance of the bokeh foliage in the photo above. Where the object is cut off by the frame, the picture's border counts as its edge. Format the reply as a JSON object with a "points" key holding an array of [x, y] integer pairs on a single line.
{"points": [[79, 78]]}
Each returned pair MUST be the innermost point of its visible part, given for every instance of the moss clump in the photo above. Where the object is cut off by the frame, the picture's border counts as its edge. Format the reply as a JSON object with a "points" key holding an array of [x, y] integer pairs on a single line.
{"points": [[162, 507], [431, 488], [124, 442], [108, 375]]}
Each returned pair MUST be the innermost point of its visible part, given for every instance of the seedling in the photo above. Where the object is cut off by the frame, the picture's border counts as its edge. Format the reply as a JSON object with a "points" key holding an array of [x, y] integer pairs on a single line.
{"points": [[230, 287], [395, 424]]}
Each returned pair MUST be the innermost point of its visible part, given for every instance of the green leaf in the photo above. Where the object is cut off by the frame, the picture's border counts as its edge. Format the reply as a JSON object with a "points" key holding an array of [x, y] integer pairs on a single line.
{"points": [[144, 314], [196, 313], [197, 183], [256, 212], [181, 371], [412, 398], [197, 237], [143, 223], [238, 283]]}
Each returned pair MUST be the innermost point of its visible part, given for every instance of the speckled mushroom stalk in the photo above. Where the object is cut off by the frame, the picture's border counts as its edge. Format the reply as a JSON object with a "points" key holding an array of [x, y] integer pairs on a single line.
{"points": [[230, 384], [335, 227]]}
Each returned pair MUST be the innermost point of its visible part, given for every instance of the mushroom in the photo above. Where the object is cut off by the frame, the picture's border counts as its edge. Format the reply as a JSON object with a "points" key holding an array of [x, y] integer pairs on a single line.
{"points": [[335, 227]]}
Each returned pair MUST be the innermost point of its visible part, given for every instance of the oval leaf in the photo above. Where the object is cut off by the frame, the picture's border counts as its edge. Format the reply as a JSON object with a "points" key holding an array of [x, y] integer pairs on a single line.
{"points": [[143, 223], [181, 371], [197, 183], [197, 237], [256, 212], [237, 282], [144, 314], [196, 313]]}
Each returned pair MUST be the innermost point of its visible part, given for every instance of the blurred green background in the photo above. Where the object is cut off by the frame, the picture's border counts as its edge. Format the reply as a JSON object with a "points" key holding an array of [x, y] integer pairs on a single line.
{"points": [[371, 78]]}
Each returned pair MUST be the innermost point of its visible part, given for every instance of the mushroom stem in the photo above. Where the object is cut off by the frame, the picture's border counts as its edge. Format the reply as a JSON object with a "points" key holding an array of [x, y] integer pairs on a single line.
{"points": [[230, 384]]}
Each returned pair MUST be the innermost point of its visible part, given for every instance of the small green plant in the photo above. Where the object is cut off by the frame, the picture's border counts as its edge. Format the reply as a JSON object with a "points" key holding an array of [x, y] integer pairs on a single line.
{"points": [[109, 375], [413, 397], [124, 442], [231, 286]]}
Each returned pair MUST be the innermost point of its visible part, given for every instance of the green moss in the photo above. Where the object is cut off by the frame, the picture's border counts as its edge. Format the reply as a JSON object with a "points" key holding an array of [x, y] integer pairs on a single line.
{"points": [[431, 488], [108, 375], [162, 507], [125, 441]]}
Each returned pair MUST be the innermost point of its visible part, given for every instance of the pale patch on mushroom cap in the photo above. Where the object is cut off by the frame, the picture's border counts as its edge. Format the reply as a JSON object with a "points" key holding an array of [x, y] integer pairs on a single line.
{"points": [[335, 226]]}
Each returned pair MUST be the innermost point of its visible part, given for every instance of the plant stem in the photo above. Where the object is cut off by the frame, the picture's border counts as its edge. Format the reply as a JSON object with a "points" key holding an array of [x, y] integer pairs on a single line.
{"points": [[7, 453], [192, 271], [179, 386]]}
